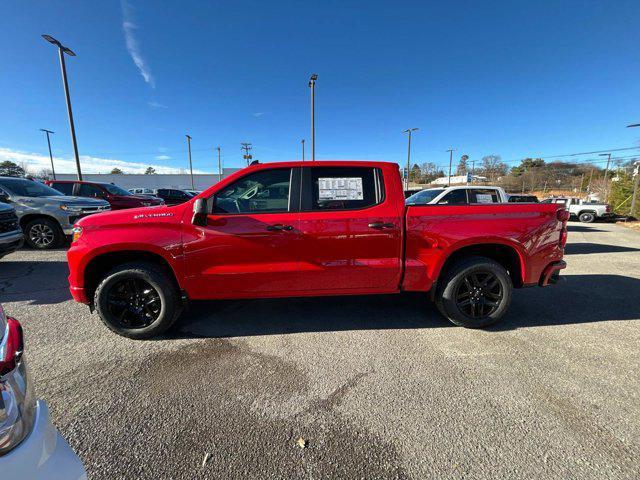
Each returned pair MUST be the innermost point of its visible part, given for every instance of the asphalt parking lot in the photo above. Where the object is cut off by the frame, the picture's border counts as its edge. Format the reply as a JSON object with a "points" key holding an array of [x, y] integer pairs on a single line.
{"points": [[379, 387]]}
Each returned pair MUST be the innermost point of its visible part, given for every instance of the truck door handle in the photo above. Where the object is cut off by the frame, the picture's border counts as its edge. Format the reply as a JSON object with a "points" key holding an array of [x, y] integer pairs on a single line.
{"points": [[278, 227], [381, 225]]}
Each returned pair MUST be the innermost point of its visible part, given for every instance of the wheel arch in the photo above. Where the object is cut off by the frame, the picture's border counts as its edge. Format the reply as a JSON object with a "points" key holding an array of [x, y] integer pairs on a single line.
{"points": [[99, 265], [506, 255], [34, 216]]}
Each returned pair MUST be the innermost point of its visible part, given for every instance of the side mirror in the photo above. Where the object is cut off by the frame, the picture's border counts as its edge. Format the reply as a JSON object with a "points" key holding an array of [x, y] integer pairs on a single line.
{"points": [[4, 198], [200, 212]]}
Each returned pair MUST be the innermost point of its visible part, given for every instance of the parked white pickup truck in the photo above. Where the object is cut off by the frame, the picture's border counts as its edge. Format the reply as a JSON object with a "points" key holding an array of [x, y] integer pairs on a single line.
{"points": [[584, 211], [461, 195]]}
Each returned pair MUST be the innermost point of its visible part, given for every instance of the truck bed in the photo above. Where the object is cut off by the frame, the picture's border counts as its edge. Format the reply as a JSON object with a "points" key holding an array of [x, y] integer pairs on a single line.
{"points": [[528, 234]]}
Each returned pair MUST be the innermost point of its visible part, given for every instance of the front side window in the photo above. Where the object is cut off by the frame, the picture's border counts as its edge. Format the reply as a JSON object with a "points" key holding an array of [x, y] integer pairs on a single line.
{"points": [[424, 197], [266, 191], [66, 188], [454, 197], [342, 188], [89, 191], [28, 188], [483, 195], [116, 190]]}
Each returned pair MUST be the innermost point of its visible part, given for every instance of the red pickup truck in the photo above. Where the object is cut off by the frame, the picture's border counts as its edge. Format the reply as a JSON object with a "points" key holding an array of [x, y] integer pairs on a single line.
{"points": [[311, 229]]}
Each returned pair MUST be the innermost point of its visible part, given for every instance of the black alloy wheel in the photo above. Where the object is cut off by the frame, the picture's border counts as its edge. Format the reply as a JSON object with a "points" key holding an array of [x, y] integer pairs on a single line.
{"points": [[479, 294], [134, 303]]}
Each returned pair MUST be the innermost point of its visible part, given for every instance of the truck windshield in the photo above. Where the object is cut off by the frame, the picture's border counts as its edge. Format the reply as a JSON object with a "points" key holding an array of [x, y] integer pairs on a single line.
{"points": [[28, 188], [116, 190], [423, 197]]}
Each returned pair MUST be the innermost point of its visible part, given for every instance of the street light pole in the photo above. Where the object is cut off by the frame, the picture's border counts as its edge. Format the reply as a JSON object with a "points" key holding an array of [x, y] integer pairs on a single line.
{"points": [[219, 163], [303, 149], [190, 164], [61, 51], [47, 132], [409, 131], [312, 85], [450, 163]]}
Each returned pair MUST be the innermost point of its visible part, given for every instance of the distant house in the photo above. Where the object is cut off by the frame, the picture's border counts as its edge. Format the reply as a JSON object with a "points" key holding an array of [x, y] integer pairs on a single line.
{"points": [[460, 180]]}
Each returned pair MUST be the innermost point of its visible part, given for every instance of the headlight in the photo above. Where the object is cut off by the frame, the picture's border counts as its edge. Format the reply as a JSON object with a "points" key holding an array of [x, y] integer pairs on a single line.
{"points": [[77, 232], [71, 208], [17, 399]]}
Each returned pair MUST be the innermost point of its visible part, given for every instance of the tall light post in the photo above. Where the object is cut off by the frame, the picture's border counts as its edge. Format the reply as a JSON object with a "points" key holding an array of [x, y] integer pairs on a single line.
{"points": [[47, 132], [61, 52], [302, 149], [190, 164], [451, 150], [606, 173], [219, 163], [409, 131], [312, 85], [636, 180]]}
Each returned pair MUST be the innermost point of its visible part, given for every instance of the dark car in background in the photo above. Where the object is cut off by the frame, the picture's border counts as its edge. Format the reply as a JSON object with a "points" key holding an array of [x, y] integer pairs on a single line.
{"points": [[118, 197], [173, 196], [11, 237]]}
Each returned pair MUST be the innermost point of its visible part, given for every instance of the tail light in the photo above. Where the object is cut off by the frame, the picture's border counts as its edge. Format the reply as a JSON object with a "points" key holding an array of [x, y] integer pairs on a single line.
{"points": [[17, 399], [563, 216], [608, 209]]}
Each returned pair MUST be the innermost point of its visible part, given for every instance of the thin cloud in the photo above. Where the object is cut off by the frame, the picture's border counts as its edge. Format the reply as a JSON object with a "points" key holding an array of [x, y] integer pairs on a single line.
{"points": [[258, 114], [156, 105], [133, 47], [163, 157], [34, 163]]}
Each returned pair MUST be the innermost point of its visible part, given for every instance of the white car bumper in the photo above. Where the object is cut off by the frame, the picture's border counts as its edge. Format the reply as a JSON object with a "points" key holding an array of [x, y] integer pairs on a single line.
{"points": [[44, 454]]}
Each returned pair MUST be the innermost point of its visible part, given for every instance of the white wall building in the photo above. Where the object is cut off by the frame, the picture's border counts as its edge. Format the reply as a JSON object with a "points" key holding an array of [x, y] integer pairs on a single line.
{"points": [[127, 181], [459, 180]]}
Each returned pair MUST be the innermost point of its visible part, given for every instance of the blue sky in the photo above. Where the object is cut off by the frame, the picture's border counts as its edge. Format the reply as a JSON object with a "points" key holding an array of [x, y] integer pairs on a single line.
{"points": [[510, 78]]}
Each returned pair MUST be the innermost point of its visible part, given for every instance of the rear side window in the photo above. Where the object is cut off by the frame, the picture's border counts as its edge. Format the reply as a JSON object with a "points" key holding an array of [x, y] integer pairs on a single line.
{"points": [[341, 188], [483, 195], [66, 188], [454, 197], [87, 190]]}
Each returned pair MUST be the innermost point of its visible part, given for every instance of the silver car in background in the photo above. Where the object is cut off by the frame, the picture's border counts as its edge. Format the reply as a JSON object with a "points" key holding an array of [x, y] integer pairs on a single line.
{"points": [[46, 216], [30, 446]]}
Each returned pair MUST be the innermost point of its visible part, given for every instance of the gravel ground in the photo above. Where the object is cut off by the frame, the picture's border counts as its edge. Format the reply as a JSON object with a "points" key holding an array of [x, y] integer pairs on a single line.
{"points": [[378, 387]]}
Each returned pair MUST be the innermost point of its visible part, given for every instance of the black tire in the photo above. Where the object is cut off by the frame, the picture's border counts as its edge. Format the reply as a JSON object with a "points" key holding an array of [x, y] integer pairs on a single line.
{"points": [[486, 305], [587, 217], [43, 234], [154, 310]]}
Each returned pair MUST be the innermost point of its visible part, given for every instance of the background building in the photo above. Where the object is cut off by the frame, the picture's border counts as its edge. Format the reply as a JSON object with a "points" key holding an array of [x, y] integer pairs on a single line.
{"points": [[127, 181]]}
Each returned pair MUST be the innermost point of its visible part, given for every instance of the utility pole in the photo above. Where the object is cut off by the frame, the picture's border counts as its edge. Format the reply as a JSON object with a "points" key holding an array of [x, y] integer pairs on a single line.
{"points": [[634, 197], [61, 51], [312, 85], [219, 164], [606, 173], [409, 131], [47, 132], [246, 147], [451, 150], [190, 164], [303, 149]]}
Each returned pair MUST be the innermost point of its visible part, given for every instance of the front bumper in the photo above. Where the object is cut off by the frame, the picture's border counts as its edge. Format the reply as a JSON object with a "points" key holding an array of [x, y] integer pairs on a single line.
{"points": [[44, 454], [551, 274]]}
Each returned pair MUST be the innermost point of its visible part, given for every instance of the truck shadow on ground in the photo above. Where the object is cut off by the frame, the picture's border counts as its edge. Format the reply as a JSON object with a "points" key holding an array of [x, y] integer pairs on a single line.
{"points": [[37, 282], [585, 248], [580, 299], [582, 228]]}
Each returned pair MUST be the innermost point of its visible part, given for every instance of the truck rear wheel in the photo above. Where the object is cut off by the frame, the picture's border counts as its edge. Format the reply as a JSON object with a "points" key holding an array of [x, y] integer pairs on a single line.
{"points": [[138, 300], [475, 292], [587, 217]]}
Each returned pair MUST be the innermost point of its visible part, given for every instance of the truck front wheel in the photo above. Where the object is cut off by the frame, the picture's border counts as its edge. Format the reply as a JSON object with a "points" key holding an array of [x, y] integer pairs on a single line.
{"points": [[138, 300], [474, 292]]}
